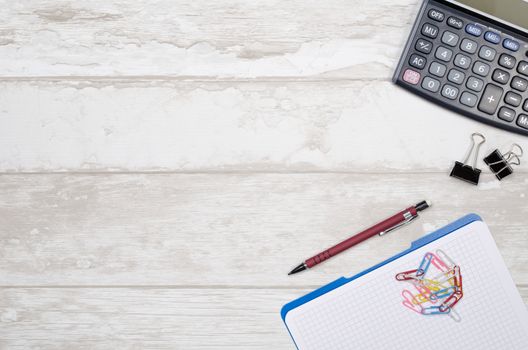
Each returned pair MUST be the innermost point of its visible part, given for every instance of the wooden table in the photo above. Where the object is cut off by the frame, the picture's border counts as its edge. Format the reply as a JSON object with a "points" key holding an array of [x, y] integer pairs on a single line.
{"points": [[165, 163]]}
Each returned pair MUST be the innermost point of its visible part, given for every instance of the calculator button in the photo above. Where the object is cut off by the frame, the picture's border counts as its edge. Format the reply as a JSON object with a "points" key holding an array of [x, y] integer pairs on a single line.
{"points": [[449, 38], [519, 84], [468, 46], [411, 76], [456, 76], [431, 84], [468, 99], [455, 22], [437, 69], [522, 121], [443, 54], [424, 46], [487, 53], [429, 30], [513, 99], [473, 29], [492, 37], [501, 77], [490, 99], [450, 92], [474, 84], [525, 106], [462, 61], [436, 15], [511, 44], [507, 114], [523, 68], [507, 61], [481, 68], [417, 61]]}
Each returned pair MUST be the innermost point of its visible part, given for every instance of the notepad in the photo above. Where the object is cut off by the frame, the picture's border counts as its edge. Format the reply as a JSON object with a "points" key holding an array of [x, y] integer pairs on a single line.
{"points": [[367, 311]]}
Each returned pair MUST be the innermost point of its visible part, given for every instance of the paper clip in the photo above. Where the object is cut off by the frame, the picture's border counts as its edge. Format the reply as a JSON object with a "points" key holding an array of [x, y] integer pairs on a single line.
{"points": [[452, 300], [439, 264], [411, 302], [446, 277], [435, 310], [501, 164], [424, 265], [465, 172], [457, 278], [434, 286], [424, 295], [454, 315], [445, 257], [443, 293], [407, 275]]}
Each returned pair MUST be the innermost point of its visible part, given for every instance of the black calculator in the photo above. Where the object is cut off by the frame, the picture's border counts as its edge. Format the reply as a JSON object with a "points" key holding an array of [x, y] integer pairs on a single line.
{"points": [[471, 56]]}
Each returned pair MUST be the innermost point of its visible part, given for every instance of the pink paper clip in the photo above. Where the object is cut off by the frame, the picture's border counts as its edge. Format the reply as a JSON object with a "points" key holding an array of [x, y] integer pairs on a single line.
{"points": [[411, 302], [439, 264]]}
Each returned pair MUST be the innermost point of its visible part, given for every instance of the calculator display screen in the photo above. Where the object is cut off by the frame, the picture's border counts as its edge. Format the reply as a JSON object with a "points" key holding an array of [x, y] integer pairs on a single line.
{"points": [[512, 11]]}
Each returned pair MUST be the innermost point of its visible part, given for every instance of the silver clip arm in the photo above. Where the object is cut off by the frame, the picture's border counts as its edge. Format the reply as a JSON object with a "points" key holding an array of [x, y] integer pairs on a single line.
{"points": [[408, 218]]}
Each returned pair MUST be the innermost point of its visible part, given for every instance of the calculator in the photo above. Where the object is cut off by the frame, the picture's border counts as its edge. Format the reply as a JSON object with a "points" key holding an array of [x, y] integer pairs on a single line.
{"points": [[471, 56]]}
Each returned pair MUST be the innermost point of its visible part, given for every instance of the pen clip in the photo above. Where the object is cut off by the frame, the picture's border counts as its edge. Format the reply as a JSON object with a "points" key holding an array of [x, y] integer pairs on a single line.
{"points": [[408, 218]]}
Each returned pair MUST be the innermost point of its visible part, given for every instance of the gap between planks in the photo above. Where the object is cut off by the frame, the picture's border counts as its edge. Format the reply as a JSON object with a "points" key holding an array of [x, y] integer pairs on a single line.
{"points": [[214, 172]]}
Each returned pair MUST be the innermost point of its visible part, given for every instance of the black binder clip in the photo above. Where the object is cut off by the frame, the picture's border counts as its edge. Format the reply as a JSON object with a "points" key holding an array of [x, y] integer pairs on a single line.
{"points": [[501, 164], [465, 172]]}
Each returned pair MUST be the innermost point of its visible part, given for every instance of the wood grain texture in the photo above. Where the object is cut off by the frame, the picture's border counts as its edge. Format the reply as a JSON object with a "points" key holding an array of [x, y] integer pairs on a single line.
{"points": [[164, 125], [231, 229], [218, 38], [127, 318], [131, 318], [164, 140]]}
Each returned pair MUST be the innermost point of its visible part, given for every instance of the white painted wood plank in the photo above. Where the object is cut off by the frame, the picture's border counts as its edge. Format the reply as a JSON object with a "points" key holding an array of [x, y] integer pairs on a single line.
{"points": [[157, 125], [127, 318], [235, 38], [230, 230]]}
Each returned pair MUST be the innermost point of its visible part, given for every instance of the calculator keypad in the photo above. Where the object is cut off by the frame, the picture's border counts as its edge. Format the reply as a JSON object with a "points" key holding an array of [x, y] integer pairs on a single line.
{"points": [[469, 66]]}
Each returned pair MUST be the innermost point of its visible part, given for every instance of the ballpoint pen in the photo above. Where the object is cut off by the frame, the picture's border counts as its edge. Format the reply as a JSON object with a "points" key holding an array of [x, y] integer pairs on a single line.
{"points": [[398, 220]]}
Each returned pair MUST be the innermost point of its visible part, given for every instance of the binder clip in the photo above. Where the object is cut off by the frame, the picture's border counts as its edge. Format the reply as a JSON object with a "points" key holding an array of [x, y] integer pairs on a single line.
{"points": [[501, 164], [465, 172]]}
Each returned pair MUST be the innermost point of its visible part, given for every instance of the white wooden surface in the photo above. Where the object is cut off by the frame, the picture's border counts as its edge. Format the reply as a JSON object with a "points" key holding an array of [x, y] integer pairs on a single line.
{"points": [[146, 147]]}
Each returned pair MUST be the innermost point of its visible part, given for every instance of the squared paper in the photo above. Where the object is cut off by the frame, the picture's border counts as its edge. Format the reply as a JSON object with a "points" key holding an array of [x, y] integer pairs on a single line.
{"points": [[367, 313]]}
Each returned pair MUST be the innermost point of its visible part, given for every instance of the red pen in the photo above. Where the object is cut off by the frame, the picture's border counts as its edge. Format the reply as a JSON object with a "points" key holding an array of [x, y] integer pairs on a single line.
{"points": [[386, 226]]}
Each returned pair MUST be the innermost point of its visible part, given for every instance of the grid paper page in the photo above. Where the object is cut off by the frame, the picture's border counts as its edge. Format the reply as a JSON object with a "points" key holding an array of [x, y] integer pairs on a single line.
{"points": [[367, 313]]}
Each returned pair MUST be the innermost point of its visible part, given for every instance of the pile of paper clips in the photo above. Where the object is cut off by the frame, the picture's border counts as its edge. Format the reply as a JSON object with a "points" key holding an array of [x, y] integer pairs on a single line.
{"points": [[438, 285]]}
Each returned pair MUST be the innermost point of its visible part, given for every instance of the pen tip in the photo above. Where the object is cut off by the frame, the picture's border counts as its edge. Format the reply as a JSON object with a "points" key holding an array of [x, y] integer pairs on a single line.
{"points": [[299, 268]]}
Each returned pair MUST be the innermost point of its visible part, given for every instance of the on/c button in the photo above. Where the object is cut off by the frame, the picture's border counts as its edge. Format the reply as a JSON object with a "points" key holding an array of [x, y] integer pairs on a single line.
{"points": [[411, 77]]}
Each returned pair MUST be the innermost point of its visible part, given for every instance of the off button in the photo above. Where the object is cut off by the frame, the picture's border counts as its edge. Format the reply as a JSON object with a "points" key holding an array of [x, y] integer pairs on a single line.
{"points": [[436, 15]]}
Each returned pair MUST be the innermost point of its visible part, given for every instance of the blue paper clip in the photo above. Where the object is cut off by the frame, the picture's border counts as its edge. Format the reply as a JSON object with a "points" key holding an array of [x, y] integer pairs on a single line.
{"points": [[435, 310], [443, 293], [424, 265]]}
